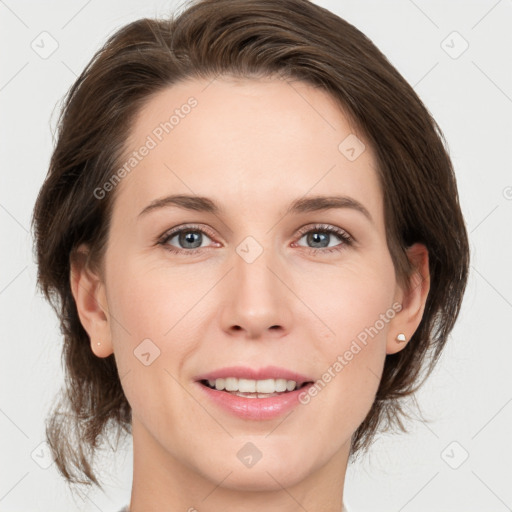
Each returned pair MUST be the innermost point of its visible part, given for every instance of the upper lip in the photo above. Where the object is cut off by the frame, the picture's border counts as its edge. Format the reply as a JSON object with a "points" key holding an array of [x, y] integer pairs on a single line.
{"points": [[244, 372]]}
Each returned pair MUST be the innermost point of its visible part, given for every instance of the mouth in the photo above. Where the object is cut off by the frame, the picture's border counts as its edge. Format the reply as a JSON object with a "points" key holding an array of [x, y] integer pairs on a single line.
{"points": [[250, 388], [255, 394]]}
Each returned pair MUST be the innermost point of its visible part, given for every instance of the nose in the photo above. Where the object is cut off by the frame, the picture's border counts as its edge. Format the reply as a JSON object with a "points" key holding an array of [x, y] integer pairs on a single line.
{"points": [[259, 302]]}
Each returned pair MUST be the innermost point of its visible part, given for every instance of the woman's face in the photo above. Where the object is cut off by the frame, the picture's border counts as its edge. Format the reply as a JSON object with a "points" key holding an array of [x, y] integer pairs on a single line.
{"points": [[252, 283]]}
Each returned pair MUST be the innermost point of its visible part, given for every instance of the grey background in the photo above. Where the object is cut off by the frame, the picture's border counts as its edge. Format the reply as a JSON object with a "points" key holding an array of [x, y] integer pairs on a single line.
{"points": [[468, 398]]}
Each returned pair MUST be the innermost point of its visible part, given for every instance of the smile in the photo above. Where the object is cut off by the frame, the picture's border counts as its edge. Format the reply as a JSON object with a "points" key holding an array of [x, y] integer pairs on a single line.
{"points": [[253, 388], [252, 394]]}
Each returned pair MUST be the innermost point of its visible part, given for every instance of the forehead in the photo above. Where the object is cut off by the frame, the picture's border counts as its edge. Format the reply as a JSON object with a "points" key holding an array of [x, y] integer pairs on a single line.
{"points": [[247, 144]]}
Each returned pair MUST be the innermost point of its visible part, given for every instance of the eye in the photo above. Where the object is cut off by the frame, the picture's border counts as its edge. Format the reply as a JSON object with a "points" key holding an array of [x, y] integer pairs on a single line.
{"points": [[320, 237], [189, 239]]}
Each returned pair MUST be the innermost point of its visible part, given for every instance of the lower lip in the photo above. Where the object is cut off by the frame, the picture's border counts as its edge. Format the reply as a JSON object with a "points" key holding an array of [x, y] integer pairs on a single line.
{"points": [[255, 408]]}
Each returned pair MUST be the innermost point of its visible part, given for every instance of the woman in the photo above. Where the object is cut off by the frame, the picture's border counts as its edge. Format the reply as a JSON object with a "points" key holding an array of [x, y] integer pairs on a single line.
{"points": [[250, 231]]}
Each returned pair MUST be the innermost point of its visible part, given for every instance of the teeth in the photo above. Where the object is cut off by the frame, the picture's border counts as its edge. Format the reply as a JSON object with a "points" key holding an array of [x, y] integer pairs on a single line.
{"points": [[267, 386], [246, 386]]}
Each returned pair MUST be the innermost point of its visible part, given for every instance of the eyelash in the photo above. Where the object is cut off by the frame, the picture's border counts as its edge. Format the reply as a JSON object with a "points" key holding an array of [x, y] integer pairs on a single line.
{"points": [[346, 239]]}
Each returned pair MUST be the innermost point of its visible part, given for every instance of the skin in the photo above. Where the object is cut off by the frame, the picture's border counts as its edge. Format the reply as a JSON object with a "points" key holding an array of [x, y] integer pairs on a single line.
{"points": [[252, 146]]}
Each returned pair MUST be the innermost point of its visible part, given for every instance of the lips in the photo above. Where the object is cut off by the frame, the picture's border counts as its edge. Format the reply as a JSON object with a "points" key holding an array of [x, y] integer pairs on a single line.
{"points": [[268, 372], [254, 406]]}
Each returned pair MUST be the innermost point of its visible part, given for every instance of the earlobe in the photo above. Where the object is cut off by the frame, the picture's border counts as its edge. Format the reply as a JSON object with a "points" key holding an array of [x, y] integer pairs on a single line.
{"points": [[413, 300], [89, 293]]}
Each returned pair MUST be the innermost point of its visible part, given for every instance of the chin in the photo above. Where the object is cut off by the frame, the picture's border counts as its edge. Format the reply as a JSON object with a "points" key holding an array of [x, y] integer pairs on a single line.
{"points": [[271, 472], [262, 480]]}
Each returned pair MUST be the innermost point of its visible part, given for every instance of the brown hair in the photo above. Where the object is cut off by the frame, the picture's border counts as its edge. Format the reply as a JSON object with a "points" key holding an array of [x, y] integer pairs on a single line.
{"points": [[296, 40]]}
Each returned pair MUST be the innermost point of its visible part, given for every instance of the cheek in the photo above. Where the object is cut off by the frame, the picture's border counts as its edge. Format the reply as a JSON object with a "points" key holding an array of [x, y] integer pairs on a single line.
{"points": [[355, 303], [151, 329], [349, 297], [152, 307], [150, 299]]}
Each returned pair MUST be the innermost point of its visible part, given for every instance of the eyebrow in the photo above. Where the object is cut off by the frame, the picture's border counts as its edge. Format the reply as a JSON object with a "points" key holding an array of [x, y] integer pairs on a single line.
{"points": [[302, 205]]}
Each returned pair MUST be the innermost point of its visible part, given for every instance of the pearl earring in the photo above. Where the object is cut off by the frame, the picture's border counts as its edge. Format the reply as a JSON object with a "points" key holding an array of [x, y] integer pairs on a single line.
{"points": [[401, 338], [99, 343]]}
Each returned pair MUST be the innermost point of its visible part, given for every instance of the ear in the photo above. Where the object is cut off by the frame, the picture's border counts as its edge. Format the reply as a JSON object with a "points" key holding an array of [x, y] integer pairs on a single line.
{"points": [[91, 302], [413, 299]]}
